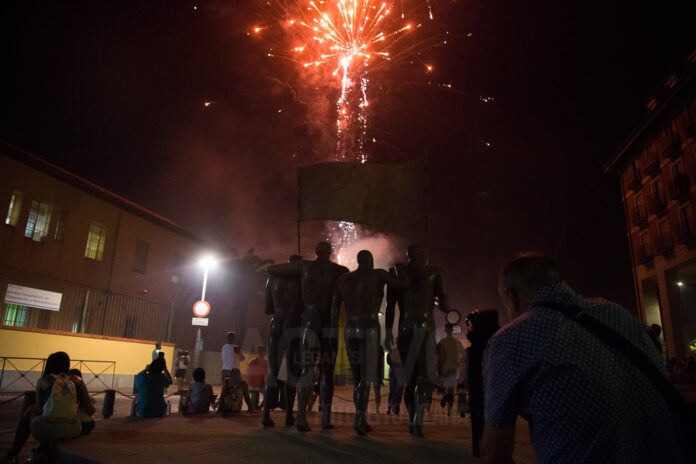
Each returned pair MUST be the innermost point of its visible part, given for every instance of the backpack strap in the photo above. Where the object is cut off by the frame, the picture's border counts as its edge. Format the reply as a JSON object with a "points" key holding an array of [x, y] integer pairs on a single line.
{"points": [[613, 339]]}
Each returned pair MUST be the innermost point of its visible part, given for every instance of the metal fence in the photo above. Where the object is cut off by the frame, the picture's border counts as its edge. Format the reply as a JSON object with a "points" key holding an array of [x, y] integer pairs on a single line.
{"points": [[20, 374]]}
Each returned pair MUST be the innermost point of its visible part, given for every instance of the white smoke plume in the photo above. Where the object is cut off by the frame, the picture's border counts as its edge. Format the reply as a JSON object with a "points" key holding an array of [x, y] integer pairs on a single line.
{"points": [[384, 249]]}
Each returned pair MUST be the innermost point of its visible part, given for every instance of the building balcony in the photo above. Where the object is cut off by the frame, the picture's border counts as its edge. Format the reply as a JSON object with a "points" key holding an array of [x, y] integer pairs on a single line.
{"points": [[644, 257], [657, 205], [634, 181], [690, 129], [652, 165], [673, 150], [686, 234], [665, 246], [639, 218], [679, 188]]}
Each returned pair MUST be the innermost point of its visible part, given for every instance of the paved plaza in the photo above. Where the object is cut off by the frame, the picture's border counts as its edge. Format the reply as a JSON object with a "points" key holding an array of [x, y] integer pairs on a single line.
{"points": [[241, 438]]}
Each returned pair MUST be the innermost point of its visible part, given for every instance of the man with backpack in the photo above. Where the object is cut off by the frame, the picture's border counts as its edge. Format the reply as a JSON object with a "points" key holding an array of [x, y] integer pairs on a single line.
{"points": [[587, 397]]}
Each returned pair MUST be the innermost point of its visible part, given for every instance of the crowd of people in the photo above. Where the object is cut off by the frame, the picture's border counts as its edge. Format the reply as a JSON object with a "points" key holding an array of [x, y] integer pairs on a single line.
{"points": [[574, 368]]}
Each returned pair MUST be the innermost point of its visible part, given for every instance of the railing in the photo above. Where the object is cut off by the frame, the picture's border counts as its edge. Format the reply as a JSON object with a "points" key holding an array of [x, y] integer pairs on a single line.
{"points": [[93, 366], [25, 377], [679, 187], [686, 233], [633, 180], [644, 258], [639, 218], [665, 246], [18, 374], [673, 148], [690, 128], [657, 205], [652, 164]]}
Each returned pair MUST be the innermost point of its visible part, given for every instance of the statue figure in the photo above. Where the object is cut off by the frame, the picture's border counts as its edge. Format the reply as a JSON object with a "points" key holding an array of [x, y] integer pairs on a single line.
{"points": [[284, 302], [318, 278], [416, 342], [362, 291]]}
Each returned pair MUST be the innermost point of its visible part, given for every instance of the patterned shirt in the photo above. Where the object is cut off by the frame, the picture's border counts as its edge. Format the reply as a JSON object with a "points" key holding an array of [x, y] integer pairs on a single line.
{"points": [[585, 403]]}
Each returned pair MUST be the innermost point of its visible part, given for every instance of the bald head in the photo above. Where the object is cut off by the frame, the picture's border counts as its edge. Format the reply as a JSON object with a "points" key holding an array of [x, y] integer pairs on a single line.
{"points": [[522, 277]]}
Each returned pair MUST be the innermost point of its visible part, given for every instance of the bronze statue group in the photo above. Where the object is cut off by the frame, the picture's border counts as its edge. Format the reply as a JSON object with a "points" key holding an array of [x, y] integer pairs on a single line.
{"points": [[305, 298]]}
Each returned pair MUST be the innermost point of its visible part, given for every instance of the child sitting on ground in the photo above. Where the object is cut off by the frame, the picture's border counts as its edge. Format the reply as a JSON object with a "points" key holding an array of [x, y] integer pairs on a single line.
{"points": [[199, 397]]}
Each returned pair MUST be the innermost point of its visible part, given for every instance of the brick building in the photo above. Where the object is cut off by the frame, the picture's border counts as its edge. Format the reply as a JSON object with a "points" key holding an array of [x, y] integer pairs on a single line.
{"points": [[120, 270], [657, 172]]}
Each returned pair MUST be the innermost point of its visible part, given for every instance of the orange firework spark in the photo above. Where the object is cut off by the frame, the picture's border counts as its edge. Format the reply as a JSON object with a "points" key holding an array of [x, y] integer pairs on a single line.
{"points": [[345, 32]]}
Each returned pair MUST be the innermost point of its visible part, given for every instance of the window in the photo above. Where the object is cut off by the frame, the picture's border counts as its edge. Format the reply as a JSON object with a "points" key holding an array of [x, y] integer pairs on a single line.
{"points": [[14, 209], [60, 225], [664, 235], [16, 315], [176, 271], [686, 221], [640, 205], [657, 191], [141, 251], [677, 169], [95, 241], [645, 244], [38, 221]]}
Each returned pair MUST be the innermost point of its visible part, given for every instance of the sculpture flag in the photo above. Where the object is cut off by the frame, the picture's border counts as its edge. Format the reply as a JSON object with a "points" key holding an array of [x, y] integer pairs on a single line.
{"points": [[370, 194]]}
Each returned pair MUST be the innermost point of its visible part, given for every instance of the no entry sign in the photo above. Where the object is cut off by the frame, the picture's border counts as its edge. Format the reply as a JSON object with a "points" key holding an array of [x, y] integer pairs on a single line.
{"points": [[201, 308]]}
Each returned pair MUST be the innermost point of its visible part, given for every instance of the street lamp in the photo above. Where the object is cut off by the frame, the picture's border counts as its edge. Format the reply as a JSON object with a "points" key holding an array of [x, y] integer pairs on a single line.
{"points": [[206, 263]]}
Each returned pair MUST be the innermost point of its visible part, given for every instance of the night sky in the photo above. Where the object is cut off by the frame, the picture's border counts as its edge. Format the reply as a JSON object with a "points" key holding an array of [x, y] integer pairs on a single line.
{"points": [[115, 92]]}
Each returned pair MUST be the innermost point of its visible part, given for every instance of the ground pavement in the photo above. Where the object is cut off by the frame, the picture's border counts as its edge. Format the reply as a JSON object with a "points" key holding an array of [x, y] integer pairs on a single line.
{"points": [[241, 438]]}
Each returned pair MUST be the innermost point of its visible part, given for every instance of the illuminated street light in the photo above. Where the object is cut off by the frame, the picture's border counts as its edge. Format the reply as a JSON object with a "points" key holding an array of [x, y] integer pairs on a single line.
{"points": [[206, 262], [680, 283]]}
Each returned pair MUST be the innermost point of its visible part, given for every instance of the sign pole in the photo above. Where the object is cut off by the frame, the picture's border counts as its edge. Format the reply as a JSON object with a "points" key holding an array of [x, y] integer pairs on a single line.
{"points": [[197, 348]]}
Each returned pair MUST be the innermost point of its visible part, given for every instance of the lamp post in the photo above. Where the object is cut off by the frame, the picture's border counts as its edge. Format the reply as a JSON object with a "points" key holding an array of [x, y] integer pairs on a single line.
{"points": [[206, 262]]}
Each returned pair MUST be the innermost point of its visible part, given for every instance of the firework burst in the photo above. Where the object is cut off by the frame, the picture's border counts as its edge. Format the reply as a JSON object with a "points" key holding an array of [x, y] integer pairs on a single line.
{"points": [[341, 40]]}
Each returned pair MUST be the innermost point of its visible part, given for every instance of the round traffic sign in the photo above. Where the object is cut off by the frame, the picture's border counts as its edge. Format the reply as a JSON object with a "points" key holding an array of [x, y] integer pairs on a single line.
{"points": [[201, 308], [453, 317]]}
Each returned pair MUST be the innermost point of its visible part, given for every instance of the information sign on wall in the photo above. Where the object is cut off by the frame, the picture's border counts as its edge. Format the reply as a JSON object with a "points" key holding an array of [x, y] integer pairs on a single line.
{"points": [[33, 297]]}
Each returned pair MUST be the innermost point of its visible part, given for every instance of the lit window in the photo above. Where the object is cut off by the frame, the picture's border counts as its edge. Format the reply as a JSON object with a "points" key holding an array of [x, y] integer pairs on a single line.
{"points": [[38, 221], [14, 209], [60, 225], [142, 249], [16, 315], [95, 241]]}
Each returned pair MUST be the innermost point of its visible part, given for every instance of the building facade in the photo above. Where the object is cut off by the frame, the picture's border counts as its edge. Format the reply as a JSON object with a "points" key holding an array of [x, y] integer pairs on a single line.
{"points": [[657, 171], [120, 270]]}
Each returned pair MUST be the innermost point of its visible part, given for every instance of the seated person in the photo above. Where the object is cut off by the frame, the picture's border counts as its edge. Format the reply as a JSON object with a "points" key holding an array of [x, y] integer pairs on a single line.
{"points": [[199, 397], [85, 403], [54, 415], [150, 385], [234, 390]]}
